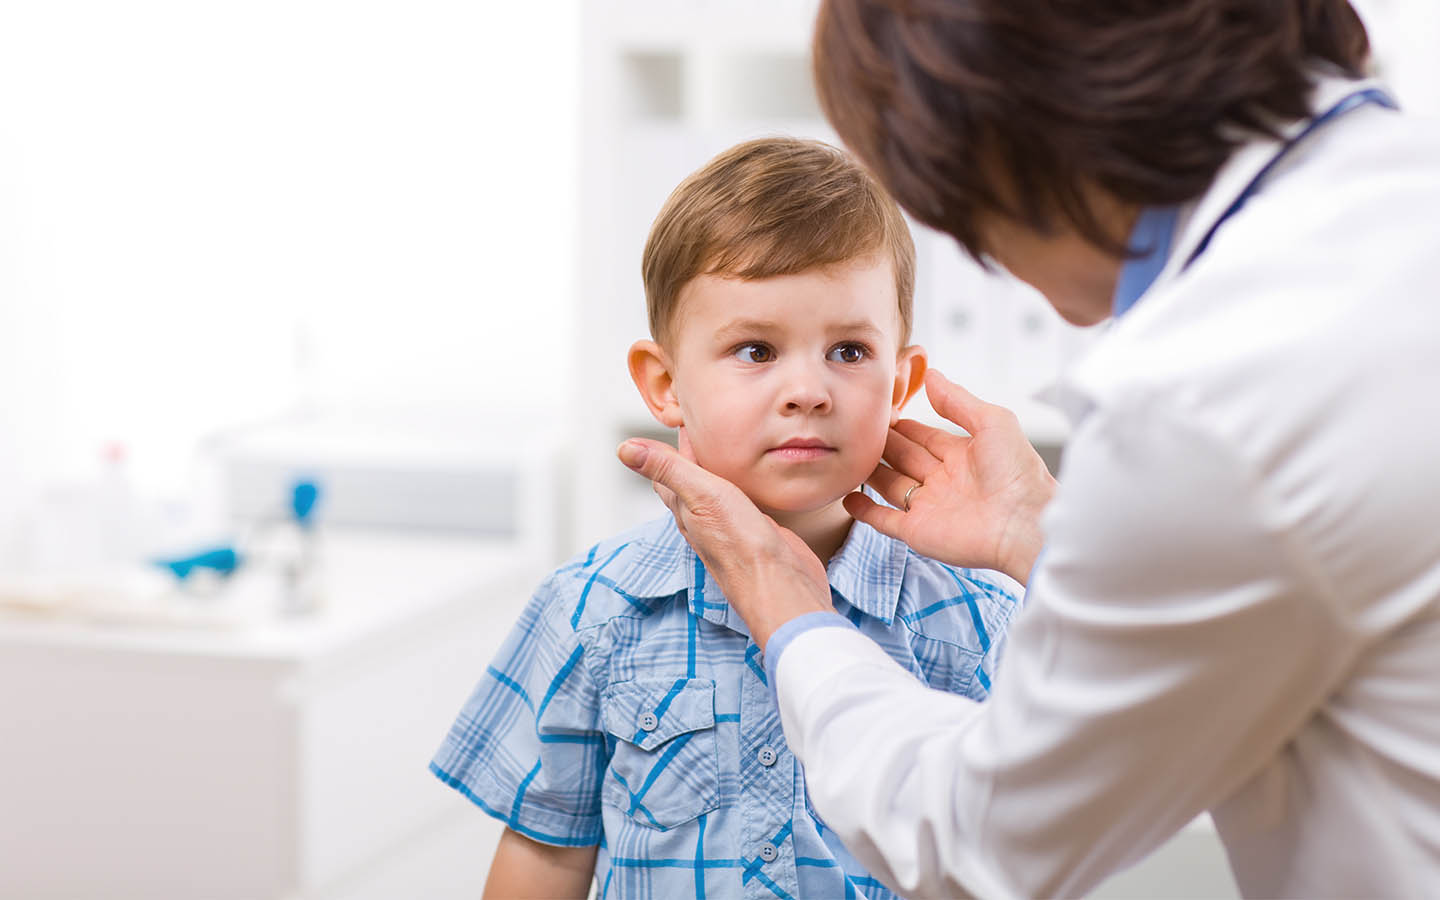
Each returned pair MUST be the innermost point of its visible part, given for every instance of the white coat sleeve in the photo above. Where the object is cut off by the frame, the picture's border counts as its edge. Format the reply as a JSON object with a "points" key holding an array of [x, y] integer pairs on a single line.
{"points": [[1174, 637]]}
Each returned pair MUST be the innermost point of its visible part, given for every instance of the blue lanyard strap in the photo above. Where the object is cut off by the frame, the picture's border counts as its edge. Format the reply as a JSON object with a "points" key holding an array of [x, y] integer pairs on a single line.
{"points": [[1357, 99]]}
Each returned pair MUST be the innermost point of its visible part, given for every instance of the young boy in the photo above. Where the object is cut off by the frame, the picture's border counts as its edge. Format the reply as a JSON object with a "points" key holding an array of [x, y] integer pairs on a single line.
{"points": [[626, 732]]}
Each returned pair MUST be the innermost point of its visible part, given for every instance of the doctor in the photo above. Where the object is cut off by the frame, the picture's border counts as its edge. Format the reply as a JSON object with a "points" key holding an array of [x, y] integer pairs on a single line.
{"points": [[1237, 605]]}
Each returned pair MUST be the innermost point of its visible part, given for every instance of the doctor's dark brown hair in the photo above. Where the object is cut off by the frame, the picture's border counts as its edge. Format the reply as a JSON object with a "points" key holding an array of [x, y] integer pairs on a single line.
{"points": [[969, 109], [769, 207]]}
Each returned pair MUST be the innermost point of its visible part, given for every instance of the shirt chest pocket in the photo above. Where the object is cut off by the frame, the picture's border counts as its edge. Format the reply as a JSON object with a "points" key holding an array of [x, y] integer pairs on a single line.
{"points": [[665, 768]]}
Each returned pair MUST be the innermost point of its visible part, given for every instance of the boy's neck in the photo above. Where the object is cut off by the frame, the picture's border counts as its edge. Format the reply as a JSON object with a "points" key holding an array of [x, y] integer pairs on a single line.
{"points": [[823, 530]]}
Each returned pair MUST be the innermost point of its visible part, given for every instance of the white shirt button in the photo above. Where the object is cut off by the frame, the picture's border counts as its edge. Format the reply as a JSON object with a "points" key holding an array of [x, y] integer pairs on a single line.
{"points": [[648, 722], [768, 852], [767, 756]]}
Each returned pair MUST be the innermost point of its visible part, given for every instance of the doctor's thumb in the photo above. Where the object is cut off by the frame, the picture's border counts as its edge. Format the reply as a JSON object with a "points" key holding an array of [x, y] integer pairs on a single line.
{"points": [[656, 461]]}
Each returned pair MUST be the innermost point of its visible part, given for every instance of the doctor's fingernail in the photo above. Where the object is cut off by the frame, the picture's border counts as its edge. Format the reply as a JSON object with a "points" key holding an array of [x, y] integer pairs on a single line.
{"points": [[633, 454]]}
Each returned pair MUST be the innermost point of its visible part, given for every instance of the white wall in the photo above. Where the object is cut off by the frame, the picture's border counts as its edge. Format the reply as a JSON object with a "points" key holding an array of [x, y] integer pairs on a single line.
{"points": [[209, 211], [1404, 35]]}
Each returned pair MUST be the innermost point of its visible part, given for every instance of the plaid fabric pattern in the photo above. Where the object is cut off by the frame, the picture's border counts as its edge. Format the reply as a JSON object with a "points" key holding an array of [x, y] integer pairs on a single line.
{"points": [[629, 708]]}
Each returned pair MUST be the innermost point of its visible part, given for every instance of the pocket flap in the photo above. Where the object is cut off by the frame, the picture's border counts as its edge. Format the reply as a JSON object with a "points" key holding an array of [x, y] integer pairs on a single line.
{"points": [[649, 711]]}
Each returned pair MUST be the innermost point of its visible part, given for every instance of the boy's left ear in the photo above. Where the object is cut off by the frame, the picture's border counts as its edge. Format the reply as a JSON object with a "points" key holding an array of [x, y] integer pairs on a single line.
{"points": [[910, 366]]}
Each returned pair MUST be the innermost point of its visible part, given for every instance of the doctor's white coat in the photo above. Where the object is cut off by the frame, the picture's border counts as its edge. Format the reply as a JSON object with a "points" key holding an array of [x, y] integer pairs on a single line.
{"points": [[1238, 607]]}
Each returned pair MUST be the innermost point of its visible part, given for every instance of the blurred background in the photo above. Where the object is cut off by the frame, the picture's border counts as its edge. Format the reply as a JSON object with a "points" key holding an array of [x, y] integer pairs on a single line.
{"points": [[312, 331]]}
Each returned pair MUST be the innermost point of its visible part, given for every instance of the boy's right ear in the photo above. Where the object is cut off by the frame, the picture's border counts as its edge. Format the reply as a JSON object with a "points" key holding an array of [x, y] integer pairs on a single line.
{"points": [[650, 369]]}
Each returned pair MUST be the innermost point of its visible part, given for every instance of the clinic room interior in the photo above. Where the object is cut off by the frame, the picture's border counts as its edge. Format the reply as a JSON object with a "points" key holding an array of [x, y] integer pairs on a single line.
{"points": [[313, 331]]}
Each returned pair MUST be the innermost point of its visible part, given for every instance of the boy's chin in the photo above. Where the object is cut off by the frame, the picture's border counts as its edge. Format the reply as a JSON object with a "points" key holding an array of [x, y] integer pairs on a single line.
{"points": [[785, 504]]}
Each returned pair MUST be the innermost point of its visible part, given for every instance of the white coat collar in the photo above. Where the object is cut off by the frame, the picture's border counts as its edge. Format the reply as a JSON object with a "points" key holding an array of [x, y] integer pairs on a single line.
{"points": [[1243, 166], [1195, 222]]}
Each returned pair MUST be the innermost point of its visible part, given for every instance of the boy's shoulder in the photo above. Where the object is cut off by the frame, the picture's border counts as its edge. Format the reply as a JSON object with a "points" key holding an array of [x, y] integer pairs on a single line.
{"points": [[926, 577], [955, 604], [903, 590], [623, 575]]}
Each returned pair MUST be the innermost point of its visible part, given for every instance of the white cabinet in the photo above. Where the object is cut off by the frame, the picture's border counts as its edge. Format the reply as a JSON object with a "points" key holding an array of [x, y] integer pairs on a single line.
{"points": [[284, 759], [669, 83]]}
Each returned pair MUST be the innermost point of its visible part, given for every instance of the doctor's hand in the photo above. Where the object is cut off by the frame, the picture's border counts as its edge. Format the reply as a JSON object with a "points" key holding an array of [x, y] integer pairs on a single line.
{"points": [[969, 500], [767, 573]]}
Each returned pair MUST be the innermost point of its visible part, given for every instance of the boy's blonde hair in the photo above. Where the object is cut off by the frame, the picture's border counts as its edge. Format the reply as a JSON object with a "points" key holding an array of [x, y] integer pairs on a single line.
{"points": [[768, 207]]}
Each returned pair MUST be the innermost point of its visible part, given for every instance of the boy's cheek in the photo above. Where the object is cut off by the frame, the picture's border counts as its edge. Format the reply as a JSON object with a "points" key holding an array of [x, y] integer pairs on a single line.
{"points": [[723, 445], [712, 446]]}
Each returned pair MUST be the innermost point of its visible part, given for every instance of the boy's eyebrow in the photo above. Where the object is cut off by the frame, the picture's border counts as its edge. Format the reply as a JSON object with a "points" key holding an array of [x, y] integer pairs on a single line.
{"points": [[738, 328], [859, 328]]}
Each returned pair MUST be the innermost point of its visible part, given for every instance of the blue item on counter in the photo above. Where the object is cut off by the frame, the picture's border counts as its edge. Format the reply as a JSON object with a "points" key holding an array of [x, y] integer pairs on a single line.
{"points": [[302, 501], [223, 560]]}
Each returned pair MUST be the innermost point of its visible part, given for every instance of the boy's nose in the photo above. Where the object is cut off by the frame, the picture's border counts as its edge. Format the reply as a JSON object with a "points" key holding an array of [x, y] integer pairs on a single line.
{"points": [[806, 393]]}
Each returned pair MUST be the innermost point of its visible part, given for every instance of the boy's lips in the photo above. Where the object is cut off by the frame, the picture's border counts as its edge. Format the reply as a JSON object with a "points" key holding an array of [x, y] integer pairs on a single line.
{"points": [[802, 449]]}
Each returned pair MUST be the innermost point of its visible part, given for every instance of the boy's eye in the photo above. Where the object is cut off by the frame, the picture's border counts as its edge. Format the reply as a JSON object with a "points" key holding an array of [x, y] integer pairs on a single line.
{"points": [[754, 353], [848, 353]]}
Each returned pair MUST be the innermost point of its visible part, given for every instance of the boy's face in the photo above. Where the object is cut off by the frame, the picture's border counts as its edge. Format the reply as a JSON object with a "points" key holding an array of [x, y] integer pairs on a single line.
{"points": [[785, 386]]}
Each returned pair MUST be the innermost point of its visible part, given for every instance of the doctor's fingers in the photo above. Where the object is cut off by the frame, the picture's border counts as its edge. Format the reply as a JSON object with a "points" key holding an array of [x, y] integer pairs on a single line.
{"points": [[667, 470], [907, 455], [667, 496], [892, 485], [960, 406], [933, 441], [711, 511], [683, 444], [883, 519], [671, 501]]}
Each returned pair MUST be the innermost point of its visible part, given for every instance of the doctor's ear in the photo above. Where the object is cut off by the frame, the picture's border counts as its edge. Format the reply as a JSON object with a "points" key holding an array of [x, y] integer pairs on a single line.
{"points": [[650, 369], [910, 368]]}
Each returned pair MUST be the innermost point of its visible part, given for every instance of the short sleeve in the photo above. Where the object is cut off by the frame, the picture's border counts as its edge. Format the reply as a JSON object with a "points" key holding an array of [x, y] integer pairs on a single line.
{"points": [[527, 747], [999, 599], [959, 627]]}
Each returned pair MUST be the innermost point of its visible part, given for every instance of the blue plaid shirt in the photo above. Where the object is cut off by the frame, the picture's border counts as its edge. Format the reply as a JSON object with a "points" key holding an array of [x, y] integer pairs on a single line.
{"points": [[629, 708]]}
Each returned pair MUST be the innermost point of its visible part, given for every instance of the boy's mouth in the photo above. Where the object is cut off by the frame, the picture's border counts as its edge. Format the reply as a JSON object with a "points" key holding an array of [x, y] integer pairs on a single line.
{"points": [[803, 449]]}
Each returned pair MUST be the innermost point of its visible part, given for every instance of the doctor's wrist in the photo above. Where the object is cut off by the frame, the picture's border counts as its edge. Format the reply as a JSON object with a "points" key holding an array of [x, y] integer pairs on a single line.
{"points": [[1023, 540]]}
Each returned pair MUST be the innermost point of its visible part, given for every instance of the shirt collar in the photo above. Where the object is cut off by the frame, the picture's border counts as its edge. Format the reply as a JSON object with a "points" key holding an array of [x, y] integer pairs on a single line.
{"points": [[1149, 245], [866, 573]]}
